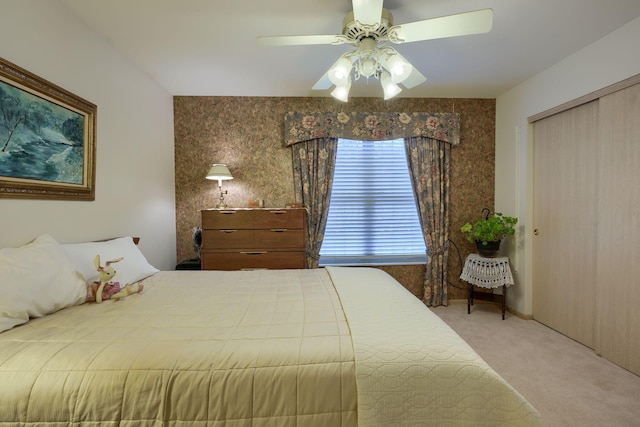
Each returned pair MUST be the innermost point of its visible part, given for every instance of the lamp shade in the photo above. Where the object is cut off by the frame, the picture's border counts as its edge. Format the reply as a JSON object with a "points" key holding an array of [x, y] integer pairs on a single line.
{"points": [[399, 68], [389, 88], [339, 73], [219, 172], [341, 93]]}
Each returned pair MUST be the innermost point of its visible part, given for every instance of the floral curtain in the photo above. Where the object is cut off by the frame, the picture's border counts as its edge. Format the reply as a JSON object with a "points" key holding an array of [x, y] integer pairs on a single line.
{"points": [[371, 126], [428, 137], [429, 166], [313, 165]]}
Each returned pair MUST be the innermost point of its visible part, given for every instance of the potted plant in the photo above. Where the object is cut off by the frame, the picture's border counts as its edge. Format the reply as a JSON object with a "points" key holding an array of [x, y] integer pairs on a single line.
{"points": [[487, 233]]}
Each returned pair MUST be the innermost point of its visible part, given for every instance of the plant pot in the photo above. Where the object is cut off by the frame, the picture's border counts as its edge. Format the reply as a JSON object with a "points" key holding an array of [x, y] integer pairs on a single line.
{"points": [[490, 250]]}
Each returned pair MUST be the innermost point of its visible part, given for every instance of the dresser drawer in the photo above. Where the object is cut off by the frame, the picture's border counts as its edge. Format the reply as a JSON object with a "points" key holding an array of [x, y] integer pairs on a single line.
{"points": [[279, 238], [227, 238], [227, 219], [278, 218], [247, 260]]}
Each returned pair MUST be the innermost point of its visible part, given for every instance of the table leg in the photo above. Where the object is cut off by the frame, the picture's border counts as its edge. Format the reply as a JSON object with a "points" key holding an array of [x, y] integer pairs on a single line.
{"points": [[504, 298], [470, 299]]}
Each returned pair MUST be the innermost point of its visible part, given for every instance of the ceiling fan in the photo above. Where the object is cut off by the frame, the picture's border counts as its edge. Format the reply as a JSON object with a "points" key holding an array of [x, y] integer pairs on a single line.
{"points": [[369, 27]]}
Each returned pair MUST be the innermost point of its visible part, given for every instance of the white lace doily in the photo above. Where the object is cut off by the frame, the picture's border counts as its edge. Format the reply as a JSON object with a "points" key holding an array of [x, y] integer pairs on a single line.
{"points": [[487, 272]]}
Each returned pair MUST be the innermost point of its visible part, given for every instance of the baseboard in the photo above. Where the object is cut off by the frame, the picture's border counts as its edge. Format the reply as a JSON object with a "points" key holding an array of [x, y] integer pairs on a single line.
{"points": [[519, 314]]}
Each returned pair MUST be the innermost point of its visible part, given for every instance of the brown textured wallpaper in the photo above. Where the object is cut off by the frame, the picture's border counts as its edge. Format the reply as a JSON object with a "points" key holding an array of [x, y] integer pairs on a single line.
{"points": [[247, 134]]}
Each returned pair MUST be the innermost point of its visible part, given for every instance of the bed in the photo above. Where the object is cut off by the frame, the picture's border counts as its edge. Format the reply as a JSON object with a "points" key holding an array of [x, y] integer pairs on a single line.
{"points": [[320, 347]]}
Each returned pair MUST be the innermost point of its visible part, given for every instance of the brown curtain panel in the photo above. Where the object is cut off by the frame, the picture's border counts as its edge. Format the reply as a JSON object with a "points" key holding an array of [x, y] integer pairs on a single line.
{"points": [[429, 167], [313, 165]]}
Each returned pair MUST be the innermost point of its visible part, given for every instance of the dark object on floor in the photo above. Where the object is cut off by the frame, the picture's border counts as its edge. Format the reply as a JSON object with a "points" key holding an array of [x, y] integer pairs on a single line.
{"points": [[196, 236], [189, 264]]}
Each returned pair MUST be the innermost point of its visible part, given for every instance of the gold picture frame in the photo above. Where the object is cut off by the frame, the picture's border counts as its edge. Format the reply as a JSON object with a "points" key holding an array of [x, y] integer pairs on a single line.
{"points": [[47, 139]]}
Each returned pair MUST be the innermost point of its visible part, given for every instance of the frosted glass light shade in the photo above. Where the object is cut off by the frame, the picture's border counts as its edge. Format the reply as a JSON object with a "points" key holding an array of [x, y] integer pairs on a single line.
{"points": [[341, 93], [399, 68], [339, 73], [368, 67], [389, 88]]}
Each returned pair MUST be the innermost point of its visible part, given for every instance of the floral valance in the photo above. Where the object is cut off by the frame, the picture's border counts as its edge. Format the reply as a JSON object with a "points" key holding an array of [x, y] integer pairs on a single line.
{"points": [[371, 126]]}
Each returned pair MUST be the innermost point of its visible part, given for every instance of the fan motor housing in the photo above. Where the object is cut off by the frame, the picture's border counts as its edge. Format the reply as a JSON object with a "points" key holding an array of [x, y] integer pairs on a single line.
{"points": [[356, 31]]}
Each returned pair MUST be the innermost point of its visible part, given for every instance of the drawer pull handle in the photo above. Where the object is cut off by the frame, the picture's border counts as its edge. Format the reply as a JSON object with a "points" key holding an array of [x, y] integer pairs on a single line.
{"points": [[279, 230], [228, 231], [254, 253], [227, 212], [278, 212]]}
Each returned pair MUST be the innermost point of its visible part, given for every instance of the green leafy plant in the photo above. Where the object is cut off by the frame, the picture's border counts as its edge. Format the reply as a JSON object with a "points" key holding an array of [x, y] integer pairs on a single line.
{"points": [[490, 228]]}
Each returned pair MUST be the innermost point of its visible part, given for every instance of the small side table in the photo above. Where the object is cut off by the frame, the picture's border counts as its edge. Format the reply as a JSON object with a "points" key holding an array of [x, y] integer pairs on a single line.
{"points": [[490, 273]]}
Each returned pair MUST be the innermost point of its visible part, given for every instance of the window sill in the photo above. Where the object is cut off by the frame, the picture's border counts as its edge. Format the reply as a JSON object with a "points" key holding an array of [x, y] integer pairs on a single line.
{"points": [[371, 261]]}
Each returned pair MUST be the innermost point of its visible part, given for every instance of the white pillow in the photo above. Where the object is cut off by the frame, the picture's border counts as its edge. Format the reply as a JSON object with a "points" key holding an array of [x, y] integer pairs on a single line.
{"points": [[132, 268], [37, 279]]}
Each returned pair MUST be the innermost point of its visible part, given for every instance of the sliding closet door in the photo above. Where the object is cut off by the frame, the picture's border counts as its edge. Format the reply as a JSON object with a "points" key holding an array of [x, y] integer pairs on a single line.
{"points": [[564, 221], [618, 276]]}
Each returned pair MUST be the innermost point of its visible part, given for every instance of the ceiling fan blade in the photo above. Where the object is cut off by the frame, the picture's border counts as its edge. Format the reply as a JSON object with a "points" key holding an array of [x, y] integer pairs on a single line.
{"points": [[323, 83], [461, 24], [414, 79], [301, 40], [367, 12]]}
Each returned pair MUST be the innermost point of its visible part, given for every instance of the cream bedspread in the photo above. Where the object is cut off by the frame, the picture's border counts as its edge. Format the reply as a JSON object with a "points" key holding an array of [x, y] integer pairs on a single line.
{"points": [[412, 368], [252, 348]]}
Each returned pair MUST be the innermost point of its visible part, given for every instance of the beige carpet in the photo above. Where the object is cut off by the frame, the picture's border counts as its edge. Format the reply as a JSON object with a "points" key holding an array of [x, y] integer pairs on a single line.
{"points": [[565, 381]]}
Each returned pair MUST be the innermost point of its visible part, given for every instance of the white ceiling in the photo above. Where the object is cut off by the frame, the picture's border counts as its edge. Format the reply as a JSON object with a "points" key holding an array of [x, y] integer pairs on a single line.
{"points": [[208, 47]]}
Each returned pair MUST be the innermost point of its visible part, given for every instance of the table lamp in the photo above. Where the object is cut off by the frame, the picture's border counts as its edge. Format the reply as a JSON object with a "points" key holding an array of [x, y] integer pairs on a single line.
{"points": [[221, 173]]}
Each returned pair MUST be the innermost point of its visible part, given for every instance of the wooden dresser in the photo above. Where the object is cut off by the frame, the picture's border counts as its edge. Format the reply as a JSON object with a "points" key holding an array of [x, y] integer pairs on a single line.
{"points": [[238, 239]]}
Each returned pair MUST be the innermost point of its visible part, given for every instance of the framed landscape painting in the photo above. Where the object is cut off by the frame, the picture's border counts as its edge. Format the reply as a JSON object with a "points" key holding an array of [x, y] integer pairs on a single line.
{"points": [[47, 139]]}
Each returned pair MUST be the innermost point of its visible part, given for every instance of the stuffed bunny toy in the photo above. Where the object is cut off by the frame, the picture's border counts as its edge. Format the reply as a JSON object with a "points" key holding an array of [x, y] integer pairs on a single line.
{"points": [[105, 274], [104, 289]]}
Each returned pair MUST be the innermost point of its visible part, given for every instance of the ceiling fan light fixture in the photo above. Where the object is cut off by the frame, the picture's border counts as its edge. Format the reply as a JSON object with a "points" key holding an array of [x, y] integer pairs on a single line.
{"points": [[389, 88], [340, 72], [368, 67], [341, 92], [367, 28], [399, 68]]}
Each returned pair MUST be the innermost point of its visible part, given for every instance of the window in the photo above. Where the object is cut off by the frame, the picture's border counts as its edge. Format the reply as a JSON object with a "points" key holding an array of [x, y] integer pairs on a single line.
{"points": [[372, 215]]}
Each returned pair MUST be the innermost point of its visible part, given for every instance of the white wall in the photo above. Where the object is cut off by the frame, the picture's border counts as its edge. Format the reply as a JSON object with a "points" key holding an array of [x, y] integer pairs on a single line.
{"points": [[609, 60], [135, 166]]}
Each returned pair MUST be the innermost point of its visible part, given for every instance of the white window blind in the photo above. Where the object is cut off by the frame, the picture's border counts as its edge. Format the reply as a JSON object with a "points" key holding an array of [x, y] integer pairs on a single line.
{"points": [[372, 215]]}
